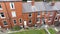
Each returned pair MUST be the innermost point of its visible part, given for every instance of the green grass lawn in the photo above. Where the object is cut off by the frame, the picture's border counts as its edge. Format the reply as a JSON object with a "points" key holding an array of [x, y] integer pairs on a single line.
{"points": [[42, 31], [52, 31]]}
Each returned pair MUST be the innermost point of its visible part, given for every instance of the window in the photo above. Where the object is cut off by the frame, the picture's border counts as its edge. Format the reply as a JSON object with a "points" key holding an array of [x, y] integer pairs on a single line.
{"points": [[30, 21], [14, 21], [13, 14], [1, 14], [51, 13], [38, 19], [49, 20], [0, 6], [12, 5], [56, 18], [5, 23], [38, 13], [20, 20], [30, 14], [46, 12]]}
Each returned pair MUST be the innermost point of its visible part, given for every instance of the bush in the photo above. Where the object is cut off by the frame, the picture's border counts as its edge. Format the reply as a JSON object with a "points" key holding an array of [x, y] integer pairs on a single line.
{"points": [[15, 28]]}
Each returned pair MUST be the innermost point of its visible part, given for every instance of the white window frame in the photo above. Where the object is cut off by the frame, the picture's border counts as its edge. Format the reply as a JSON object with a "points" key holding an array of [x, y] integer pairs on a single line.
{"points": [[29, 0], [56, 19], [43, 12], [13, 14], [59, 19], [0, 26], [11, 6]]}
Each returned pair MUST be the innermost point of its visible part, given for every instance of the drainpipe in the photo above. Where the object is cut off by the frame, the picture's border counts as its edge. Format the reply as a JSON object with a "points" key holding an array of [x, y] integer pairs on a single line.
{"points": [[32, 2], [8, 14], [53, 2]]}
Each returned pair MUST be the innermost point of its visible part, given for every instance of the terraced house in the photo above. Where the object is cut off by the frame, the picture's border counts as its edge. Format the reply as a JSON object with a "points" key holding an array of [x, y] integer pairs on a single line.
{"points": [[30, 13]]}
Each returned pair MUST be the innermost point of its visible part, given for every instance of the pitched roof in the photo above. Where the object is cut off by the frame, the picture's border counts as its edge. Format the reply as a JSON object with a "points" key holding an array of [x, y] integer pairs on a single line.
{"points": [[10, 0], [40, 6]]}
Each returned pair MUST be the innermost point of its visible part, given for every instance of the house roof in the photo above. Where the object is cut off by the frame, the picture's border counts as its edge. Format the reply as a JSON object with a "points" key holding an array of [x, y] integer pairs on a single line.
{"points": [[10, 0], [40, 6]]}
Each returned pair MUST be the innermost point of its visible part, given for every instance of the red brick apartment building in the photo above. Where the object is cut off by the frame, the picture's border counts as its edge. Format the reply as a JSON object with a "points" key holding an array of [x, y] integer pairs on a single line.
{"points": [[31, 13]]}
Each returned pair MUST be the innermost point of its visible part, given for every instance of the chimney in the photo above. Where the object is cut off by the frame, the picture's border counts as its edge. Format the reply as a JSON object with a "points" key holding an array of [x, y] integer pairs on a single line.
{"points": [[32, 2], [53, 3]]}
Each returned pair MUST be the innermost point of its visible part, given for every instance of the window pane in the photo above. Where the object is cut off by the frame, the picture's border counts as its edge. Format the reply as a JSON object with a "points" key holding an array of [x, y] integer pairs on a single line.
{"points": [[49, 18], [30, 14], [20, 20], [0, 6], [14, 21], [38, 19], [38, 13], [13, 14], [2, 14], [30, 21], [5, 23], [12, 5]]}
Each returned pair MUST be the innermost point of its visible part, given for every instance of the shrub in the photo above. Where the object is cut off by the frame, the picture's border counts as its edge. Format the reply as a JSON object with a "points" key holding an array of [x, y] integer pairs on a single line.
{"points": [[15, 28]]}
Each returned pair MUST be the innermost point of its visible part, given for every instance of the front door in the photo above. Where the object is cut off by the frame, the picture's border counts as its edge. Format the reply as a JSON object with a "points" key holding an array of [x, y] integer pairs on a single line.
{"points": [[25, 24]]}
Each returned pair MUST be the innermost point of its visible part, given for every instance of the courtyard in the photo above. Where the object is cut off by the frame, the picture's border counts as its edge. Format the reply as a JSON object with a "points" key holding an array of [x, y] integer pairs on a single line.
{"points": [[36, 31]]}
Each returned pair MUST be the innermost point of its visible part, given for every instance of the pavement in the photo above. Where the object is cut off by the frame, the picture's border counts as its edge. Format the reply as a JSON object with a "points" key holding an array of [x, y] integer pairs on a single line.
{"points": [[3, 33], [58, 28]]}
